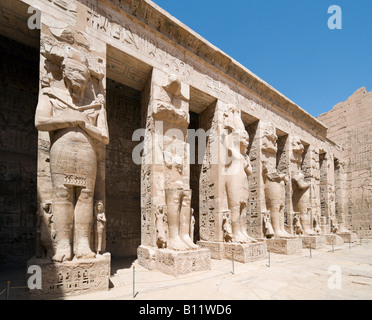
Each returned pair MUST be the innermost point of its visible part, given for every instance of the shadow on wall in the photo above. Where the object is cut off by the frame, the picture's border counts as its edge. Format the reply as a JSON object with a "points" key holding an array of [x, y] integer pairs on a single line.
{"points": [[19, 87]]}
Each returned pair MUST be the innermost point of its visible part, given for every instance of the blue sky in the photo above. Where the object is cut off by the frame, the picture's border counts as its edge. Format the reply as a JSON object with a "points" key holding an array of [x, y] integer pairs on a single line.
{"points": [[288, 43]]}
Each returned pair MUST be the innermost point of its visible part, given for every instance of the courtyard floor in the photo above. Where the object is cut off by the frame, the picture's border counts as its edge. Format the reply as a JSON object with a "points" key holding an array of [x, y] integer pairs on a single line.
{"points": [[345, 273]]}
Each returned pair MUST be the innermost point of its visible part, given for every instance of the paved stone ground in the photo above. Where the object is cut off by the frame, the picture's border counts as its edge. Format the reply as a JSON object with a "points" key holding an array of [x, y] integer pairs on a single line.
{"points": [[296, 277]]}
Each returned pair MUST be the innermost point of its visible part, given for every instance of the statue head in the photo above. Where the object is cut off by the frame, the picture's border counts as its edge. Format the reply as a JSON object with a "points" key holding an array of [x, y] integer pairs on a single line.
{"points": [[244, 138], [75, 72], [297, 146], [270, 138], [99, 206]]}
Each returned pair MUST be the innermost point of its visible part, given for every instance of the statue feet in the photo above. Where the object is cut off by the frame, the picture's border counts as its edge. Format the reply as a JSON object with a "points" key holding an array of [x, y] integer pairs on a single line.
{"points": [[283, 235], [309, 232], [187, 240], [62, 255], [248, 239], [177, 244], [288, 235], [84, 252], [239, 238]]}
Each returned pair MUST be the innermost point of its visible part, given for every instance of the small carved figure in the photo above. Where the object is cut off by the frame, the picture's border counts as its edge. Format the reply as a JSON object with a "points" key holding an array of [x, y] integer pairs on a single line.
{"points": [[268, 228], [44, 239], [161, 238], [334, 227], [192, 225], [297, 225], [226, 225], [316, 226], [100, 228]]}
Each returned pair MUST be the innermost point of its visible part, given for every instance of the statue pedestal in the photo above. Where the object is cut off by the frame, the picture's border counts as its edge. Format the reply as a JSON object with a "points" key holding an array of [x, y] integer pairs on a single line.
{"points": [[285, 246], [172, 262], [349, 237], [71, 278], [216, 249], [333, 239], [245, 253], [242, 252], [314, 242]]}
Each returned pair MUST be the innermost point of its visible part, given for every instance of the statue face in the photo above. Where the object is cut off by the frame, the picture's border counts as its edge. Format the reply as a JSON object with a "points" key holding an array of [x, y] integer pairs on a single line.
{"points": [[100, 207], [297, 145], [77, 75], [244, 139]]}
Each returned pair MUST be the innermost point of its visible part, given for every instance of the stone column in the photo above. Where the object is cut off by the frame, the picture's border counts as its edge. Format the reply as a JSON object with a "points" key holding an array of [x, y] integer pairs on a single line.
{"points": [[340, 193], [73, 132], [256, 191], [166, 244], [283, 164], [225, 195], [327, 192], [212, 200], [310, 168]]}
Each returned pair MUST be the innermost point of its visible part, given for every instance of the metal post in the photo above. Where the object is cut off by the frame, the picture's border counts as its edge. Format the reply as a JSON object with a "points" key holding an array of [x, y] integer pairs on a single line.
{"points": [[269, 260], [134, 282], [7, 289], [333, 245], [233, 270], [311, 254]]}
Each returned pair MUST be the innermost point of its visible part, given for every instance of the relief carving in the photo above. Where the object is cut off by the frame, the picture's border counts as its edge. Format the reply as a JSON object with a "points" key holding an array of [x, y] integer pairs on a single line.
{"points": [[99, 228], [44, 238]]}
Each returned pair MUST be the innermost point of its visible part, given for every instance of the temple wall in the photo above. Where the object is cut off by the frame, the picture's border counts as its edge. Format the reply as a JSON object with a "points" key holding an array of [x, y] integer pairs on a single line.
{"points": [[155, 79], [123, 176], [349, 125], [19, 86]]}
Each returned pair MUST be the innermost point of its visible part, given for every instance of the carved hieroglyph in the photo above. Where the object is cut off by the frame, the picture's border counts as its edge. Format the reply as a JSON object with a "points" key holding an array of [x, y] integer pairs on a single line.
{"points": [[274, 181], [72, 110]]}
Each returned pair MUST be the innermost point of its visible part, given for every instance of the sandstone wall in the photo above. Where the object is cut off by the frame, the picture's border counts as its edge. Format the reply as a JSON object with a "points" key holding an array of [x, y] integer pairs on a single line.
{"points": [[350, 125], [123, 186], [19, 87]]}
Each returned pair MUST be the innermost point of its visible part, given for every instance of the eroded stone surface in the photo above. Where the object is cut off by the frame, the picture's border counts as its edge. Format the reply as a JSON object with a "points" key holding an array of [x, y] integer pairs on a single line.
{"points": [[314, 242], [349, 125], [285, 246], [268, 168], [174, 262], [71, 277]]}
